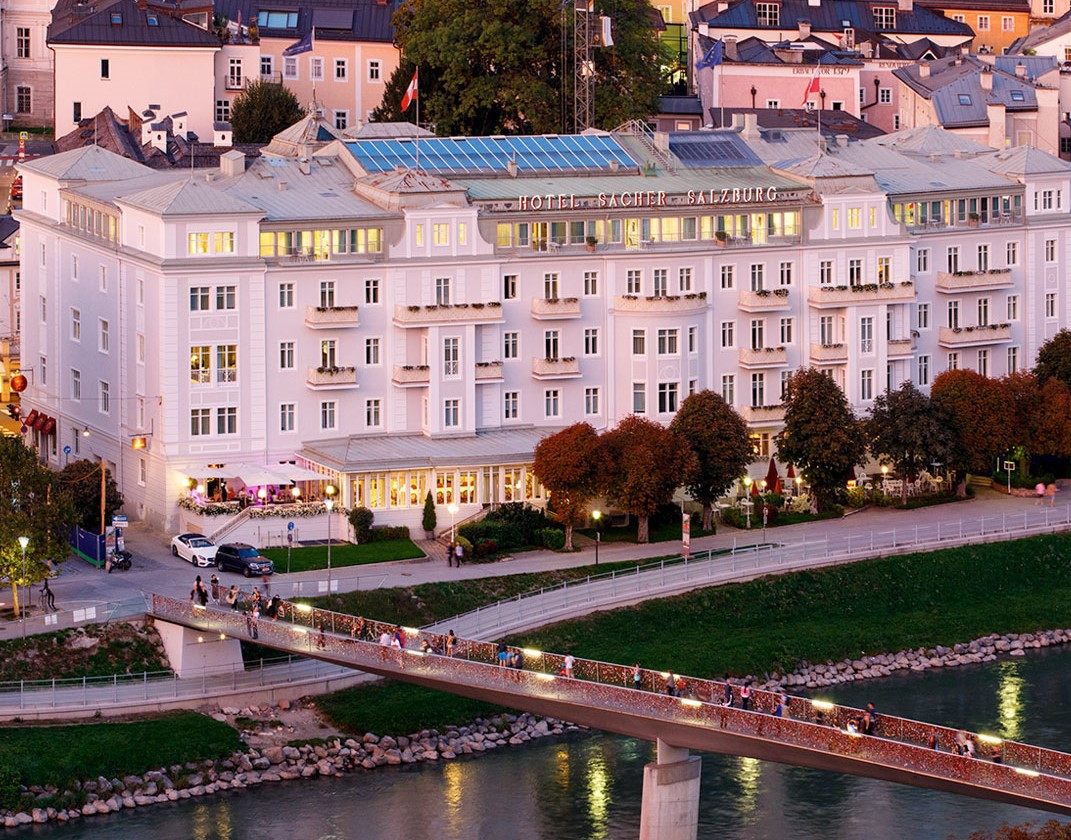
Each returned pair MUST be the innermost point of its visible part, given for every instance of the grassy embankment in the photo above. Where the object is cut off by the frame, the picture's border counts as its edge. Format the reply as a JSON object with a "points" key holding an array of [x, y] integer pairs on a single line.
{"points": [[773, 623], [314, 557]]}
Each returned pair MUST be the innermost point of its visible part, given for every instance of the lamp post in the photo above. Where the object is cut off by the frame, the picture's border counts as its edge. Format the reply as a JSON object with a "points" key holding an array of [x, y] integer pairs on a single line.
{"points": [[329, 503], [23, 542], [453, 517], [747, 498], [597, 515]]}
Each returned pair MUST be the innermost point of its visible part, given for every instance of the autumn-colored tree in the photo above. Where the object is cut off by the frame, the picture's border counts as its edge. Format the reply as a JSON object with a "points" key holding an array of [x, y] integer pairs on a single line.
{"points": [[821, 435], [571, 465], [718, 437], [1054, 358], [1049, 429], [907, 430], [982, 418], [647, 463]]}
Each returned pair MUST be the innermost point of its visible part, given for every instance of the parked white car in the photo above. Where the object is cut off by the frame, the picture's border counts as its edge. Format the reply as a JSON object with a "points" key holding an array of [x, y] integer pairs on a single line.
{"points": [[194, 548]]}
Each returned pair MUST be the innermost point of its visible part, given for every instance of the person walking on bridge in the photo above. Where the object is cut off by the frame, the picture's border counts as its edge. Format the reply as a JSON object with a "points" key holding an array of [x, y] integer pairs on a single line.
{"points": [[49, 596]]}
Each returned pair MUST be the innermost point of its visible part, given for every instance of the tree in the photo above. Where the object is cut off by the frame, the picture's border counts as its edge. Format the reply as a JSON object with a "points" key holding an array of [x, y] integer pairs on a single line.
{"points": [[571, 465], [821, 435], [80, 482], [647, 463], [1054, 359], [496, 68], [718, 436], [261, 110], [32, 506], [982, 418], [1048, 429], [429, 519], [908, 431], [361, 519]]}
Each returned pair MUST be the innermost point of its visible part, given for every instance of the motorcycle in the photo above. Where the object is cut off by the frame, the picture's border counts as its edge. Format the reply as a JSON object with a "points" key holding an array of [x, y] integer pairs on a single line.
{"points": [[121, 561]]}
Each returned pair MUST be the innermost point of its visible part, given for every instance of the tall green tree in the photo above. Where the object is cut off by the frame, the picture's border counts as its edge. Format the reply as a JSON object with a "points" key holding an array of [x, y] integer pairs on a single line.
{"points": [[647, 463], [571, 464], [718, 437], [1054, 358], [31, 506], [821, 435], [907, 430], [982, 418], [497, 68], [261, 110], [80, 482]]}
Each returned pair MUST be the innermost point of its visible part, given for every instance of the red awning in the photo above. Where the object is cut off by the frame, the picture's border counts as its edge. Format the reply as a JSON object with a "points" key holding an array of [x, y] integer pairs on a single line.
{"points": [[39, 423], [49, 427], [31, 418]]}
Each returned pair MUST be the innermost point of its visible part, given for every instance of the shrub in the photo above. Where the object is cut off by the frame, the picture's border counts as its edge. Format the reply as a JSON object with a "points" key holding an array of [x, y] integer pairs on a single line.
{"points": [[775, 499], [529, 520], [428, 521], [389, 532], [552, 538], [1022, 481], [769, 511], [855, 497], [503, 534], [9, 786], [734, 518], [361, 519], [882, 499]]}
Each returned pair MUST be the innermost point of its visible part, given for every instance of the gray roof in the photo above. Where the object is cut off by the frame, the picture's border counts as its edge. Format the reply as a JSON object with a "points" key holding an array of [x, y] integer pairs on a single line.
{"points": [[1024, 160], [931, 140], [829, 16], [387, 452], [9, 226], [187, 197], [79, 23], [1039, 36], [334, 20], [383, 130], [89, 163]]}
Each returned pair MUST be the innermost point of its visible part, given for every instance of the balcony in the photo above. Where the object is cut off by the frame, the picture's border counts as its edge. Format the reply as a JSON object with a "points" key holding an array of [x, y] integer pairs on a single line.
{"points": [[234, 83], [661, 303], [411, 376], [764, 357], [973, 281], [900, 348], [763, 300], [549, 309], [763, 414], [974, 336], [489, 371], [567, 367], [330, 317], [836, 297], [331, 378], [829, 354], [457, 313]]}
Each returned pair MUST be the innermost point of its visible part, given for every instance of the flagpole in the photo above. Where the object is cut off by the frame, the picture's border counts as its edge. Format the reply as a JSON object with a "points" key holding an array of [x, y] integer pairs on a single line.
{"points": [[721, 95], [417, 77]]}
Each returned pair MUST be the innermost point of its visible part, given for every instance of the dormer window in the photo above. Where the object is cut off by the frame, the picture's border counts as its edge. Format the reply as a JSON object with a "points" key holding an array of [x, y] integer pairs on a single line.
{"points": [[152, 20], [885, 17], [1017, 96], [964, 99], [277, 20], [768, 14], [117, 19]]}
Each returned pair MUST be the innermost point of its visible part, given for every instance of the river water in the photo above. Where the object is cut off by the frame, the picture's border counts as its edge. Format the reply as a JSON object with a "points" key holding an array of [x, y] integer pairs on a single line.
{"points": [[589, 786]]}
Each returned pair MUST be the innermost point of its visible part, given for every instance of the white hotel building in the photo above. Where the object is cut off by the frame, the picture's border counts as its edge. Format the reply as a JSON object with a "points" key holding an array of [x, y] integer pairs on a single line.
{"points": [[403, 331]]}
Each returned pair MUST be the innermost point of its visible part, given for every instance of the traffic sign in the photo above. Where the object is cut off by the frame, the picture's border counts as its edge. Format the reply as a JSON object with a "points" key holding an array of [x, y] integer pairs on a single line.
{"points": [[119, 520], [1009, 466], [290, 525], [24, 428], [67, 449]]}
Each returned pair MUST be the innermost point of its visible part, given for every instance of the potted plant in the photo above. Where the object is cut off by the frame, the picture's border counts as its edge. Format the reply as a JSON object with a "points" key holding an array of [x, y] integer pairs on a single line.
{"points": [[973, 219], [721, 238], [590, 242]]}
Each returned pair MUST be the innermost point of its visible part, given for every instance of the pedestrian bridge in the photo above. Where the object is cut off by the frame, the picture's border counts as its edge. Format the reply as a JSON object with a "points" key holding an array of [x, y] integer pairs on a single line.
{"points": [[602, 695]]}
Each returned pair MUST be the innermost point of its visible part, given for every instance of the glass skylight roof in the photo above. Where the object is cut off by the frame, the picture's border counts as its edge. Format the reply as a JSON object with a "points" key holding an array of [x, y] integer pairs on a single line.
{"points": [[705, 149], [469, 155]]}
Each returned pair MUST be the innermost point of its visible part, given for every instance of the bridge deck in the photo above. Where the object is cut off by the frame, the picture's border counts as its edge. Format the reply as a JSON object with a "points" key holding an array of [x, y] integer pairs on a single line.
{"points": [[601, 695]]}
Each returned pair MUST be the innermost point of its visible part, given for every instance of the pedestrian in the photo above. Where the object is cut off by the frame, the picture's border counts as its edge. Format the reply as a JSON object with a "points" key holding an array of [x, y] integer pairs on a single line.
{"points": [[569, 664], [873, 723], [215, 589], [728, 698], [1050, 494], [50, 598], [321, 636], [264, 579], [1039, 490], [384, 638], [450, 549], [232, 597], [671, 685], [970, 746], [518, 660], [451, 640], [199, 593], [745, 696], [637, 677], [503, 654], [256, 596], [933, 743], [425, 646], [249, 623], [357, 628], [459, 554]]}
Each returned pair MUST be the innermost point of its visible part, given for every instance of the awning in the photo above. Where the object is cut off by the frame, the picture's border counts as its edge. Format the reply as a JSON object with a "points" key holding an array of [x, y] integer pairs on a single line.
{"points": [[208, 471], [291, 473], [39, 423], [254, 476], [31, 418], [49, 427]]}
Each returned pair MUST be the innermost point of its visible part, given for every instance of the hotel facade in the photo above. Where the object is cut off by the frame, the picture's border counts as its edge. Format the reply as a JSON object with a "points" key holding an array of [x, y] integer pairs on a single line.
{"points": [[402, 316]]}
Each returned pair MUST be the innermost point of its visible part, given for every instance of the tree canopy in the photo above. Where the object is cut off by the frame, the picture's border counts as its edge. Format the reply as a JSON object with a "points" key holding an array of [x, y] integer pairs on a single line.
{"points": [[80, 482], [571, 465], [263, 109], [1054, 358], [719, 438], [821, 435], [647, 463], [981, 416], [496, 68]]}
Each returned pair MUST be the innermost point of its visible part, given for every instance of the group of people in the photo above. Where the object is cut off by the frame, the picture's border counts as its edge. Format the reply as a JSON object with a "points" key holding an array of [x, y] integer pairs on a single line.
{"points": [[1045, 491], [455, 553]]}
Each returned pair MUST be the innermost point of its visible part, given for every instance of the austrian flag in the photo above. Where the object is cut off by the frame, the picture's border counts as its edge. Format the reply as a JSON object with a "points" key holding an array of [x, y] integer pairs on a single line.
{"points": [[410, 92], [812, 88]]}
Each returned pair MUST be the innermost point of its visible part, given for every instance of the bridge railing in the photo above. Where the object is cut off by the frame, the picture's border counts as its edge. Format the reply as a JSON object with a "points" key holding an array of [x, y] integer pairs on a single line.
{"points": [[900, 742]]}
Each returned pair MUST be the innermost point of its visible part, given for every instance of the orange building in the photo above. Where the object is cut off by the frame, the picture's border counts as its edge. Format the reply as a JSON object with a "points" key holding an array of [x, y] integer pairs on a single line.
{"points": [[996, 23]]}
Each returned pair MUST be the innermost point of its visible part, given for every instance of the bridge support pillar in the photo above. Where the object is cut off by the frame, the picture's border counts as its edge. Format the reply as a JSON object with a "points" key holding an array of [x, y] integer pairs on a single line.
{"points": [[670, 807], [193, 653]]}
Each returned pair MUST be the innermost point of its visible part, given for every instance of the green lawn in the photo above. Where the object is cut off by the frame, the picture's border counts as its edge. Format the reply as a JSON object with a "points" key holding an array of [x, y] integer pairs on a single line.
{"points": [[771, 624], [660, 532], [314, 557], [44, 755]]}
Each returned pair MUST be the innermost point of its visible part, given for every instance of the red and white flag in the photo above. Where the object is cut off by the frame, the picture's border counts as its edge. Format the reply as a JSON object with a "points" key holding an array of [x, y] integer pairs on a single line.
{"points": [[812, 88], [410, 92]]}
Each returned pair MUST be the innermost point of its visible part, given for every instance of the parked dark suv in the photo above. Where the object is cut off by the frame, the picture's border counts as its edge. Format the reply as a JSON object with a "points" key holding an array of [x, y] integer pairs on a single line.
{"points": [[242, 557]]}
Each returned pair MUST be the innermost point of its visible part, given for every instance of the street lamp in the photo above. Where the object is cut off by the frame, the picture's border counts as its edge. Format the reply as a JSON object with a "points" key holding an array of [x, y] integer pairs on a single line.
{"points": [[747, 498], [453, 514], [597, 515], [23, 542], [329, 503]]}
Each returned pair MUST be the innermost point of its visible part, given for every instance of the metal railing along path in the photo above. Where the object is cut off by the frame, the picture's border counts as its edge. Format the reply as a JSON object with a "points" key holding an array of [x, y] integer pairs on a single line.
{"points": [[810, 733]]}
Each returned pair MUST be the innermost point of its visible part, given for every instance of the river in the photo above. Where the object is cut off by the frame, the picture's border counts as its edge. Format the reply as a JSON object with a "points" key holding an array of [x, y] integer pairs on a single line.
{"points": [[589, 786]]}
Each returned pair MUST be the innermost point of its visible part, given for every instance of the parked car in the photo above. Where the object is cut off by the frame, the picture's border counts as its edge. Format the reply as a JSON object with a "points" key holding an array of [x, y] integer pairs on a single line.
{"points": [[194, 548], [242, 557]]}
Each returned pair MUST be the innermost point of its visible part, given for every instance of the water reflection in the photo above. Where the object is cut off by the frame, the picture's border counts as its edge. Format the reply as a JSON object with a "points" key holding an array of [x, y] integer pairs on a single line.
{"points": [[1010, 698], [748, 773], [598, 790]]}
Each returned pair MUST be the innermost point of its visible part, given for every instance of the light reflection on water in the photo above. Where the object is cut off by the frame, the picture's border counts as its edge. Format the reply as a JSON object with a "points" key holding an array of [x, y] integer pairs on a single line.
{"points": [[1009, 694]]}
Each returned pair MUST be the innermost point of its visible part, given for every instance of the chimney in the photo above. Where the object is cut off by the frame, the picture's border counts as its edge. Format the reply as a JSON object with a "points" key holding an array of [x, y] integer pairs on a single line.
{"points": [[986, 79], [148, 117], [842, 140], [221, 135], [738, 121], [281, 186], [133, 122], [924, 70], [998, 132], [231, 163], [905, 5], [866, 49], [159, 139], [751, 127], [511, 168], [1020, 70], [305, 166], [731, 52], [179, 124], [815, 3], [804, 29]]}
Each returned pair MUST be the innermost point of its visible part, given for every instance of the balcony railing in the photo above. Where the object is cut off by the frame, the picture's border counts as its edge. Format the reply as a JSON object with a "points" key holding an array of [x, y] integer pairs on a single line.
{"points": [[457, 313], [831, 297], [898, 347], [763, 413], [409, 376], [324, 317], [764, 357], [661, 303], [545, 309], [567, 367], [826, 354], [974, 336], [970, 281], [234, 83], [332, 377], [763, 300], [489, 371]]}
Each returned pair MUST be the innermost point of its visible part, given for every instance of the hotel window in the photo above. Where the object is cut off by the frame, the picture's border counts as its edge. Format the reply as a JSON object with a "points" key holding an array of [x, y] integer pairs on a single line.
{"points": [[693, 339], [227, 363], [885, 17], [1013, 307], [200, 364], [924, 316], [1013, 359], [102, 279], [639, 398], [825, 272], [105, 68], [372, 413], [286, 355], [727, 276], [1046, 199], [773, 103], [140, 348], [371, 290], [225, 297], [924, 370], [287, 412], [728, 334], [639, 342], [104, 335], [418, 235], [328, 353], [758, 334], [667, 342], [442, 291], [786, 274], [1012, 254], [1048, 7], [660, 281], [509, 287], [1050, 250], [953, 314], [1007, 23], [591, 341], [509, 345], [768, 14], [290, 70], [342, 70], [23, 100], [884, 269], [552, 402], [684, 280], [200, 421], [550, 286], [286, 296], [224, 243], [327, 294], [22, 42], [551, 344], [234, 73], [855, 218], [758, 276], [43, 362], [591, 283], [866, 384], [983, 312], [1050, 304], [633, 282], [510, 405], [855, 272], [76, 384], [371, 351], [199, 299], [952, 260], [451, 361], [983, 362], [374, 71], [440, 234], [786, 330], [922, 260], [327, 414], [786, 375], [728, 388], [668, 395], [342, 120], [316, 69], [758, 390], [197, 244], [104, 397], [591, 401], [866, 335], [983, 23], [74, 267], [76, 325]]}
